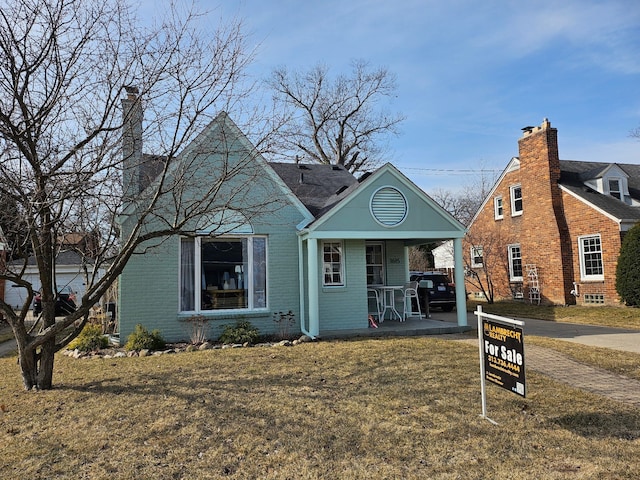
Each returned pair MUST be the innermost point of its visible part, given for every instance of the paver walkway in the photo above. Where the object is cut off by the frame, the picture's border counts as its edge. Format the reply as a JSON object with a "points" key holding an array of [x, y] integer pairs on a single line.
{"points": [[563, 369]]}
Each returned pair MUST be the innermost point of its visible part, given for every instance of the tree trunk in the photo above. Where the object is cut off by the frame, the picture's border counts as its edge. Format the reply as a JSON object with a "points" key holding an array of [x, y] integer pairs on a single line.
{"points": [[37, 368], [29, 367], [45, 367]]}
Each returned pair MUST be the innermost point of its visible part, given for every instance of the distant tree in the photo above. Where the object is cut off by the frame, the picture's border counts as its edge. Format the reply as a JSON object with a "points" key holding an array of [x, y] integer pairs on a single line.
{"points": [[421, 258], [628, 268], [464, 203], [341, 121], [64, 65]]}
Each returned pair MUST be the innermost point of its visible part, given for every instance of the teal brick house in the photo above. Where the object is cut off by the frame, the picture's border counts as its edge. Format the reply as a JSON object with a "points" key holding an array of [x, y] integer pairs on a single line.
{"points": [[276, 237]]}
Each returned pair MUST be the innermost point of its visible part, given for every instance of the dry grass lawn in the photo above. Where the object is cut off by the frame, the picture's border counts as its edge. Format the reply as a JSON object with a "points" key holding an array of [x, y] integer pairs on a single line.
{"points": [[362, 409], [618, 317]]}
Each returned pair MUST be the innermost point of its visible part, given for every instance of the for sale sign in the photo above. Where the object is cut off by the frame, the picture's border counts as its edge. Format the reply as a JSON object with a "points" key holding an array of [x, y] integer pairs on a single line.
{"points": [[503, 352]]}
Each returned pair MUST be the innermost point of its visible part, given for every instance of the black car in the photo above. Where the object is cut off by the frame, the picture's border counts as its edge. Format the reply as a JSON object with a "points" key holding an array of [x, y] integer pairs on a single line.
{"points": [[437, 288], [65, 303]]}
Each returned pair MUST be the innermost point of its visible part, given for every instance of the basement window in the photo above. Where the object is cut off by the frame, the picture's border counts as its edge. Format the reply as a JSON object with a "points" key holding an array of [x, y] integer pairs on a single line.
{"points": [[593, 299]]}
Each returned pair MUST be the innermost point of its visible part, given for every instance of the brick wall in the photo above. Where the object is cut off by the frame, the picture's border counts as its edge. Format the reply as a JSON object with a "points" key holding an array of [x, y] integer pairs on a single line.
{"points": [[581, 221]]}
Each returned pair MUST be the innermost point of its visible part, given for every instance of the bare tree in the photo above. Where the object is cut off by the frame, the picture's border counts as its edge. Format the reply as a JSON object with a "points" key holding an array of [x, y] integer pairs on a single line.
{"points": [[341, 121], [64, 65], [487, 264], [465, 203]]}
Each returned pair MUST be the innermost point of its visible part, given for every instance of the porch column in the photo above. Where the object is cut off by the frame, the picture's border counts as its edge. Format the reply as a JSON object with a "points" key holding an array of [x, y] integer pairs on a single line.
{"points": [[461, 297], [312, 269]]}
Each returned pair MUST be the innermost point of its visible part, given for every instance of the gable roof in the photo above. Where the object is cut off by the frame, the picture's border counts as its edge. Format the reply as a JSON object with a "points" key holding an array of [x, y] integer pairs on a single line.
{"points": [[573, 174], [222, 123], [319, 187]]}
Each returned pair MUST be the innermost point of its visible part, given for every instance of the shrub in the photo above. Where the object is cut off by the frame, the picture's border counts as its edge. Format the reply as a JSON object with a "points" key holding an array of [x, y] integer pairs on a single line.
{"points": [[198, 328], [241, 332], [284, 321], [142, 339], [628, 269], [89, 339]]}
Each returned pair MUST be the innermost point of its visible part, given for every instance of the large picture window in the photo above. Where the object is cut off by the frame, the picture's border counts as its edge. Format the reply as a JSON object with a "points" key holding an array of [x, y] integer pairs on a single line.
{"points": [[515, 263], [332, 264], [223, 273], [591, 267]]}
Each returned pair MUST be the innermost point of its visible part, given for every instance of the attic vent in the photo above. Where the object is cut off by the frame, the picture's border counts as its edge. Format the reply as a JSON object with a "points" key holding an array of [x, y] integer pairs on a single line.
{"points": [[388, 206], [341, 189], [335, 167]]}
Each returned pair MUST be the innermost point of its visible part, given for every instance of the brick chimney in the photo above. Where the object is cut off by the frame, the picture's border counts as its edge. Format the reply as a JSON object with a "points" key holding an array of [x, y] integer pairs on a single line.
{"points": [[545, 239], [131, 143]]}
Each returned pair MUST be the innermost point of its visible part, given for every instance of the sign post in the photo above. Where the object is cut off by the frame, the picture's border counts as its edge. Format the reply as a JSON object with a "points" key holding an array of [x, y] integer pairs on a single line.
{"points": [[501, 347]]}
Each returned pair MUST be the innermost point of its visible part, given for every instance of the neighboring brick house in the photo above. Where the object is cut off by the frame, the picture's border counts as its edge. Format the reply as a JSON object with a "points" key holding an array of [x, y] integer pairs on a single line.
{"points": [[550, 230]]}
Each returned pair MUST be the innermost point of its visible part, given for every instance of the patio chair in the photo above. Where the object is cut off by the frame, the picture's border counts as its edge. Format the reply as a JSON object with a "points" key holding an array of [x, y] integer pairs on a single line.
{"points": [[372, 295], [410, 292]]}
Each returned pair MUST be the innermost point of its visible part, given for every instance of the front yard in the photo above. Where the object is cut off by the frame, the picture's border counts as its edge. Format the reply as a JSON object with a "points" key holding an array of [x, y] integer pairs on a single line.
{"points": [[386, 408]]}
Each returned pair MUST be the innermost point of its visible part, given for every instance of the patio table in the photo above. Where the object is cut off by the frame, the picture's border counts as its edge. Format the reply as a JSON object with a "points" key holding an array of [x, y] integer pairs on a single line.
{"points": [[389, 300]]}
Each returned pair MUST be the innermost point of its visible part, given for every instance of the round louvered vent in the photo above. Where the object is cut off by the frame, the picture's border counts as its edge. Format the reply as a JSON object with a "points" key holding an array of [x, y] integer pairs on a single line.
{"points": [[388, 206]]}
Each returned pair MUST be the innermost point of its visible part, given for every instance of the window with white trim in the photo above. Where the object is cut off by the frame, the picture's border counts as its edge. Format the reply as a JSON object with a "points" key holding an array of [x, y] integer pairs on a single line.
{"points": [[498, 209], [516, 200], [515, 263], [332, 264], [591, 266], [223, 273], [375, 263], [477, 260], [615, 189]]}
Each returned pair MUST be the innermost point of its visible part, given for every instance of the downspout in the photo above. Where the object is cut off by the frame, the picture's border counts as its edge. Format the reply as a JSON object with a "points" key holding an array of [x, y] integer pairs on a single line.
{"points": [[302, 293]]}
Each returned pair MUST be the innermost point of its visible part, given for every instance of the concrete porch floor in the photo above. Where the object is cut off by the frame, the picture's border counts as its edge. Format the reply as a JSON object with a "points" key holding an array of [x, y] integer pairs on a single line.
{"points": [[439, 323]]}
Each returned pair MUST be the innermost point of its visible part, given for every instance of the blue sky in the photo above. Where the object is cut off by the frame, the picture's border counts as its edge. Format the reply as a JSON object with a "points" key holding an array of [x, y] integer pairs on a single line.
{"points": [[471, 74]]}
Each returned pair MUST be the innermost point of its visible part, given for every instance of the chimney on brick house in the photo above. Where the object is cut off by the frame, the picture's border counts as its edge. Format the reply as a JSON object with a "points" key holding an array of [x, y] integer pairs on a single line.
{"points": [[545, 239], [131, 143]]}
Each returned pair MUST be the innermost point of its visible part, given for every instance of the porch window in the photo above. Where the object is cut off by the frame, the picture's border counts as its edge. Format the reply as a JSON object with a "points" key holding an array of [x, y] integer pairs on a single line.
{"points": [[332, 264], [515, 263], [516, 200], [375, 263], [223, 273], [591, 266]]}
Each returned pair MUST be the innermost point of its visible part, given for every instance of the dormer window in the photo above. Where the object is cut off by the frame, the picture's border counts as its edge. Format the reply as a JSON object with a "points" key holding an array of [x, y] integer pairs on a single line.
{"points": [[615, 189]]}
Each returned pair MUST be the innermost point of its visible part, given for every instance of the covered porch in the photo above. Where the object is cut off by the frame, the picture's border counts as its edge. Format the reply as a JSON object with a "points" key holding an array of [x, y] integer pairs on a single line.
{"points": [[440, 323], [385, 211]]}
